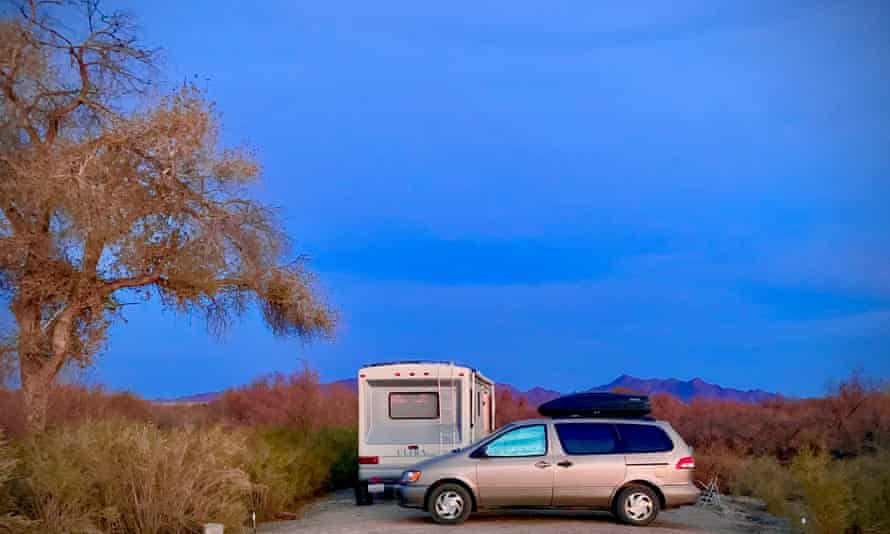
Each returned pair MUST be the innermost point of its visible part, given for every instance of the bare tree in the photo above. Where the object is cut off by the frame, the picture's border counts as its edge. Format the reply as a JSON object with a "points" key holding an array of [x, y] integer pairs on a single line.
{"points": [[97, 201]]}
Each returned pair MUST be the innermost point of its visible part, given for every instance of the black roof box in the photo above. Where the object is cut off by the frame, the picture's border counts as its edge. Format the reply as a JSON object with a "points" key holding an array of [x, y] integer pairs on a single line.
{"points": [[596, 404]]}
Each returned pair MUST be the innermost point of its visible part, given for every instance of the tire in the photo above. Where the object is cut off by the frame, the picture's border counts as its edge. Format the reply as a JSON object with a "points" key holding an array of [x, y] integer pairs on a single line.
{"points": [[450, 504], [636, 505], [363, 497]]}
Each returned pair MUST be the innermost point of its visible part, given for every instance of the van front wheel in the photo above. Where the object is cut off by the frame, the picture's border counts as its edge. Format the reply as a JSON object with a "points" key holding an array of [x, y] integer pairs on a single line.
{"points": [[636, 505], [450, 504]]}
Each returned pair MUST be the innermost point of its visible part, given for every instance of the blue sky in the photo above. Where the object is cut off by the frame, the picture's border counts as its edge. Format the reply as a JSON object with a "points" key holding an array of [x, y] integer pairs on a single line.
{"points": [[554, 193]]}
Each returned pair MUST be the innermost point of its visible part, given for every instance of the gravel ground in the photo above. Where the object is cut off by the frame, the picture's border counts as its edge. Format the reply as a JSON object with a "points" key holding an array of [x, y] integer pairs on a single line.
{"points": [[337, 514]]}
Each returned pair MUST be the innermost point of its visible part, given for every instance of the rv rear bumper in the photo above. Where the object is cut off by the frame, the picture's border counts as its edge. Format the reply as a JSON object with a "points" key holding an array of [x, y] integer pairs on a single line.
{"points": [[411, 496]]}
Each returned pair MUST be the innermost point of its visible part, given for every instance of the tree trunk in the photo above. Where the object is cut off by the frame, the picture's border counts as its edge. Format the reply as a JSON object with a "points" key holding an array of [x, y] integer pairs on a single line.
{"points": [[35, 398], [39, 368]]}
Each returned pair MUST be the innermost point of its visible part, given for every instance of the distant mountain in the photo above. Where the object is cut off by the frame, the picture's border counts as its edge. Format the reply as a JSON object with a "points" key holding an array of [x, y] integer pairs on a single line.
{"points": [[535, 396], [685, 390], [349, 383], [197, 398]]}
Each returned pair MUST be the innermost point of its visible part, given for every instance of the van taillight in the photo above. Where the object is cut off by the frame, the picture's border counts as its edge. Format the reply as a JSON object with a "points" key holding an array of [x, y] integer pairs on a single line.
{"points": [[369, 460], [687, 462]]}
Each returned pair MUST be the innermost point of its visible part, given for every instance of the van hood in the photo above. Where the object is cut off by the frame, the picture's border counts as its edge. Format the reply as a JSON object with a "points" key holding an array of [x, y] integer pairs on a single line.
{"points": [[436, 461]]}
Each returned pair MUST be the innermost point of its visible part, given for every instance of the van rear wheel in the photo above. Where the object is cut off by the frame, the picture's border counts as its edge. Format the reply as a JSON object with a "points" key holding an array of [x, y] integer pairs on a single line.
{"points": [[636, 505], [450, 504]]}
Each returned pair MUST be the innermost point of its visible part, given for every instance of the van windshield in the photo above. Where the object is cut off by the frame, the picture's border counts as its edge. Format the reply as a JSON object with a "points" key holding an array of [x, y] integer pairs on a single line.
{"points": [[488, 437]]}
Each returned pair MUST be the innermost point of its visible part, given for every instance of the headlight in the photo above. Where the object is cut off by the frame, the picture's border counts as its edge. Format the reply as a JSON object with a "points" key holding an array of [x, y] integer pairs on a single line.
{"points": [[409, 477]]}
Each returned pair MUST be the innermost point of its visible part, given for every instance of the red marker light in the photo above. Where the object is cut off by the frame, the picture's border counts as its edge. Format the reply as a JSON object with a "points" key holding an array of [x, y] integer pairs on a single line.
{"points": [[369, 460]]}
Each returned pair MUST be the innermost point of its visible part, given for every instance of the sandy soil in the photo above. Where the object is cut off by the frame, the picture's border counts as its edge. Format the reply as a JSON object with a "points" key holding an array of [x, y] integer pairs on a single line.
{"points": [[337, 514]]}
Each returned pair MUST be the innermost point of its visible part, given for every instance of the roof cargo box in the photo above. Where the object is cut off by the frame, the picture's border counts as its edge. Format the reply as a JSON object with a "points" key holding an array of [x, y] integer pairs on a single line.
{"points": [[597, 405]]}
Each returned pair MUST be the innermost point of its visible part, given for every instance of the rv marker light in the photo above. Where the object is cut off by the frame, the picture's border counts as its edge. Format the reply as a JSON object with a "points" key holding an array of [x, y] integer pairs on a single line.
{"points": [[369, 460]]}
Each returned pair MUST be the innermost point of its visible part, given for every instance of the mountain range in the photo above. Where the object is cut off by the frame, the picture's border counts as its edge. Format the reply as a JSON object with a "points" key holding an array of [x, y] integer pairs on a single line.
{"points": [[684, 390]]}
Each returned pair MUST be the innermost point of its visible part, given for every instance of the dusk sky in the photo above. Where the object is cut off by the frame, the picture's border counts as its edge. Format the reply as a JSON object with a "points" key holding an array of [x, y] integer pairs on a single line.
{"points": [[554, 192]]}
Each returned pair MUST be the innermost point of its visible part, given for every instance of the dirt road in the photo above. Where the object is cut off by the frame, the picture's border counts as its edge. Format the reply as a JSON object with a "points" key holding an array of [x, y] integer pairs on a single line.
{"points": [[338, 515]]}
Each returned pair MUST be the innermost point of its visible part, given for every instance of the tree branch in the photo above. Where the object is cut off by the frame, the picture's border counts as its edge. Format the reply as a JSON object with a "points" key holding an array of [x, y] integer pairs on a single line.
{"points": [[134, 281]]}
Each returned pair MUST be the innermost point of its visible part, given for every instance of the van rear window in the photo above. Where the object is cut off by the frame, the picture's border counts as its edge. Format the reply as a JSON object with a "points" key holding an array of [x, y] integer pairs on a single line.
{"points": [[644, 438], [587, 438], [413, 405]]}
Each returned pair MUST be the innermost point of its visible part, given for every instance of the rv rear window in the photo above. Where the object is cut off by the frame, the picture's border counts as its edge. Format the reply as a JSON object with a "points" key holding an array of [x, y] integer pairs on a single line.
{"points": [[413, 405]]}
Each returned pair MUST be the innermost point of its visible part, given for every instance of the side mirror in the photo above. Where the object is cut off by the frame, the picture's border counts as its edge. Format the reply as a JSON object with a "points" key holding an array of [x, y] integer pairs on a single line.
{"points": [[479, 453]]}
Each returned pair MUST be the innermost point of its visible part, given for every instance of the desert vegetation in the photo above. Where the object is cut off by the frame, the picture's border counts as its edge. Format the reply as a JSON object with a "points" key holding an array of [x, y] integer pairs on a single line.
{"points": [[112, 462], [271, 445]]}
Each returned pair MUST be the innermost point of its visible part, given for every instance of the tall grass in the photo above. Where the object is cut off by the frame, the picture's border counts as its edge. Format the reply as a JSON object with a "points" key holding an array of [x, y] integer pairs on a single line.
{"points": [[124, 476], [290, 465], [9, 521]]}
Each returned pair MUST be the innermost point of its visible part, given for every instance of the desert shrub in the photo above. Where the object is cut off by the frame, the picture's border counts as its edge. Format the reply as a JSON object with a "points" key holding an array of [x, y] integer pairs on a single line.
{"points": [[124, 476], [512, 406], [69, 404], [73, 403], [767, 480], [289, 465], [289, 401], [9, 521], [868, 477], [825, 492], [719, 463], [12, 420]]}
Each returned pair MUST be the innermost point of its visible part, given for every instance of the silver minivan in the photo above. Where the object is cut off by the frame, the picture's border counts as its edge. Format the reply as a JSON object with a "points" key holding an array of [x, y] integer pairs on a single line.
{"points": [[631, 467]]}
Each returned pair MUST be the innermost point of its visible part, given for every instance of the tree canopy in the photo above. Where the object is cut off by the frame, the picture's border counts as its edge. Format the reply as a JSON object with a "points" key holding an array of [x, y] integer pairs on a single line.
{"points": [[106, 187]]}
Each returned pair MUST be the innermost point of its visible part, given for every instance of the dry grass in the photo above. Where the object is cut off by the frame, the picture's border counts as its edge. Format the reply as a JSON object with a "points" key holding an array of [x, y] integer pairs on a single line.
{"points": [[289, 466], [9, 521], [122, 476]]}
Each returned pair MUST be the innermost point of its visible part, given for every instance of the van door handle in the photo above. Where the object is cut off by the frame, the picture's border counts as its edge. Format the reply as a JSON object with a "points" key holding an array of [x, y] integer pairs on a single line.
{"points": [[565, 463], [542, 465]]}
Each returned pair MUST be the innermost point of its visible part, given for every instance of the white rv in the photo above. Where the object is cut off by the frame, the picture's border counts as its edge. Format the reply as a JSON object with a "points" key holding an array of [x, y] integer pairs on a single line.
{"points": [[411, 410]]}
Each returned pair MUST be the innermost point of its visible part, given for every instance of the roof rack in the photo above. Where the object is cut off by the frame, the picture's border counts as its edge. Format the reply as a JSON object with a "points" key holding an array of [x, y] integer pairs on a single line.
{"points": [[603, 416], [597, 404]]}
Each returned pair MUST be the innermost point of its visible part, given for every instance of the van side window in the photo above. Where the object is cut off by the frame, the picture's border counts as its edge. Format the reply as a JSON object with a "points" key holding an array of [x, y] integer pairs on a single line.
{"points": [[644, 438], [413, 405], [524, 441], [587, 438]]}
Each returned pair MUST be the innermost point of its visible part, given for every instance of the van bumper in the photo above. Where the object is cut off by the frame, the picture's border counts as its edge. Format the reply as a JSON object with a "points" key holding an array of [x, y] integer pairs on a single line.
{"points": [[680, 494], [411, 496], [387, 474]]}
